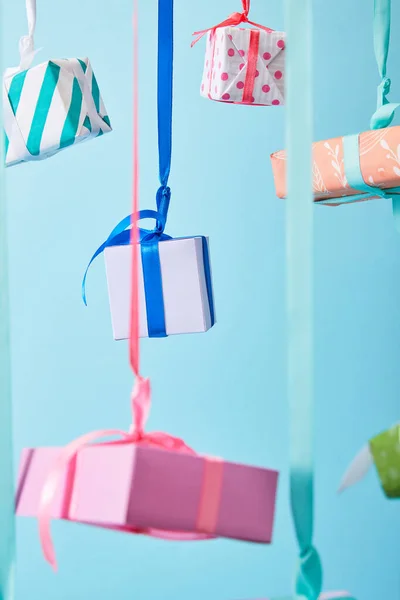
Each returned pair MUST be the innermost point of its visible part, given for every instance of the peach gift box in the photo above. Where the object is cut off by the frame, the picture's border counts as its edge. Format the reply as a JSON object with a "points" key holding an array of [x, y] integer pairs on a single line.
{"points": [[133, 487], [379, 161]]}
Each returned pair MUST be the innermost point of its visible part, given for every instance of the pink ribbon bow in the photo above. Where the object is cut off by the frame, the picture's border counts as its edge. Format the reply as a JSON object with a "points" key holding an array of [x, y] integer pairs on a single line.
{"points": [[233, 20], [140, 397]]}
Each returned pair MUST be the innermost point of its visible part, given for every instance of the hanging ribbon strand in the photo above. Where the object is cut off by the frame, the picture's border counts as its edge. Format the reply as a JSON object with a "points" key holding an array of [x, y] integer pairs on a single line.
{"points": [[141, 393], [299, 241], [149, 239], [233, 20], [385, 110], [134, 234]]}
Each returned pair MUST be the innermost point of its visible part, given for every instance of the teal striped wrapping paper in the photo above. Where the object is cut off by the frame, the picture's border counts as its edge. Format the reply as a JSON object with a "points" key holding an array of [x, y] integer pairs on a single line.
{"points": [[51, 106]]}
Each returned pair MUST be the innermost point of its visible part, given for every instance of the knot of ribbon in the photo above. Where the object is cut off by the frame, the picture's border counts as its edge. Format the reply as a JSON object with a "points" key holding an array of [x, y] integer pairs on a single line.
{"points": [[140, 402], [26, 51], [121, 234], [26, 44], [163, 198], [385, 109], [384, 88], [309, 575], [233, 20]]}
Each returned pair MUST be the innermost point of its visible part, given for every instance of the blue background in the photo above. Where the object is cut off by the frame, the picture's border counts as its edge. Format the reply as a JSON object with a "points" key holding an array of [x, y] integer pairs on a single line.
{"points": [[223, 391]]}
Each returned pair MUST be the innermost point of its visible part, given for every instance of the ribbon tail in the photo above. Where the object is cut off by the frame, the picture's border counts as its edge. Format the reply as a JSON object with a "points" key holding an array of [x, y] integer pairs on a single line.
{"points": [[199, 34], [118, 229], [98, 251], [357, 470], [383, 116], [52, 482], [229, 21]]}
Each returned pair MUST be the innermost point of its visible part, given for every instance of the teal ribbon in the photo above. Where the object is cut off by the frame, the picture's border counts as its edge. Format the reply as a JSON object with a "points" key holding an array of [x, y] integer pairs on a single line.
{"points": [[385, 110], [299, 244], [352, 167], [7, 518]]}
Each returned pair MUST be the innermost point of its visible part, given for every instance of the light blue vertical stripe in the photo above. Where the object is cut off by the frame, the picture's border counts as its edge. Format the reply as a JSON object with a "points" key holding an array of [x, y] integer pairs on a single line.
{"points": [[7, 518], [42, 108], [299, 244], [72, 120]]}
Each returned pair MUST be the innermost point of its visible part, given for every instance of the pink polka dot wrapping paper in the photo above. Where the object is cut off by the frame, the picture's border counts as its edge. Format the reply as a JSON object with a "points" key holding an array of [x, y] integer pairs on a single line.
{"points": [[244, 66]]}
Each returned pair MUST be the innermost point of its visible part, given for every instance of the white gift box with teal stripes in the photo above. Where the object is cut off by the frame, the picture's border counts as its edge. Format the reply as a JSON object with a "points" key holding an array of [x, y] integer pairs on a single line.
{"points": [[50, 107]]}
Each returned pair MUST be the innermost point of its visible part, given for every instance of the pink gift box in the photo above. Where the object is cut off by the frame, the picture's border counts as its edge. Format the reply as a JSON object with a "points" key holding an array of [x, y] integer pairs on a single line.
{"points": [[244, 66], [136, 487]]}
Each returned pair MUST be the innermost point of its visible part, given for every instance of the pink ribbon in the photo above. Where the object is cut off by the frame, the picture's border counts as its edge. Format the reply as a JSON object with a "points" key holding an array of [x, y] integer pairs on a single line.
{"points": [[233, 20], [140, 397], [251, 67]]}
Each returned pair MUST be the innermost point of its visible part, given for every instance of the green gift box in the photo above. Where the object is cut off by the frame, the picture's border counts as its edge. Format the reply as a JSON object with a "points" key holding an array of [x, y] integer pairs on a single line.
{"points": [[384, 451]]}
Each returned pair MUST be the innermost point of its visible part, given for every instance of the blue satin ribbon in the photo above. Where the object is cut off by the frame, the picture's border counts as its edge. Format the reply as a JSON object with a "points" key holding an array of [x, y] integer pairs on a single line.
{"points": [[164, 100], [164, 90]]}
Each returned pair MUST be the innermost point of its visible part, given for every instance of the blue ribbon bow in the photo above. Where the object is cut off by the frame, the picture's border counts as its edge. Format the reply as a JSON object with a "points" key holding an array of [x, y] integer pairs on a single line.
{"points": [[149, 239]]}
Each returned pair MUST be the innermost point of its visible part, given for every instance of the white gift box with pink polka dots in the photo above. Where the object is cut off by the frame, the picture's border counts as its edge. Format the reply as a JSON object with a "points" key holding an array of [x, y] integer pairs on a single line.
{"points": [[245, 66]]}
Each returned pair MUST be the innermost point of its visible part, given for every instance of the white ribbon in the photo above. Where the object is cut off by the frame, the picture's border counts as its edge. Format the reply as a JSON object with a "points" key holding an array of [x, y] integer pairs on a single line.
{"points": [[27, 50], [357, 469], [96, 121], [27, 43], [359, 466]]}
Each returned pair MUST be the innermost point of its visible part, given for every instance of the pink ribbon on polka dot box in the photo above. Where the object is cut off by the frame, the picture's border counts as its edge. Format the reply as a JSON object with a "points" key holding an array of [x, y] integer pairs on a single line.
{"points": [[244, 66]]}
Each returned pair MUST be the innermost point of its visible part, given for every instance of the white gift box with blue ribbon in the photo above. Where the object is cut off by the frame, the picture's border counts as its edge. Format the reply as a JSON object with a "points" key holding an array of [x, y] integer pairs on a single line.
{"points": [[51, 106], [186, 288], [175, 282]]}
